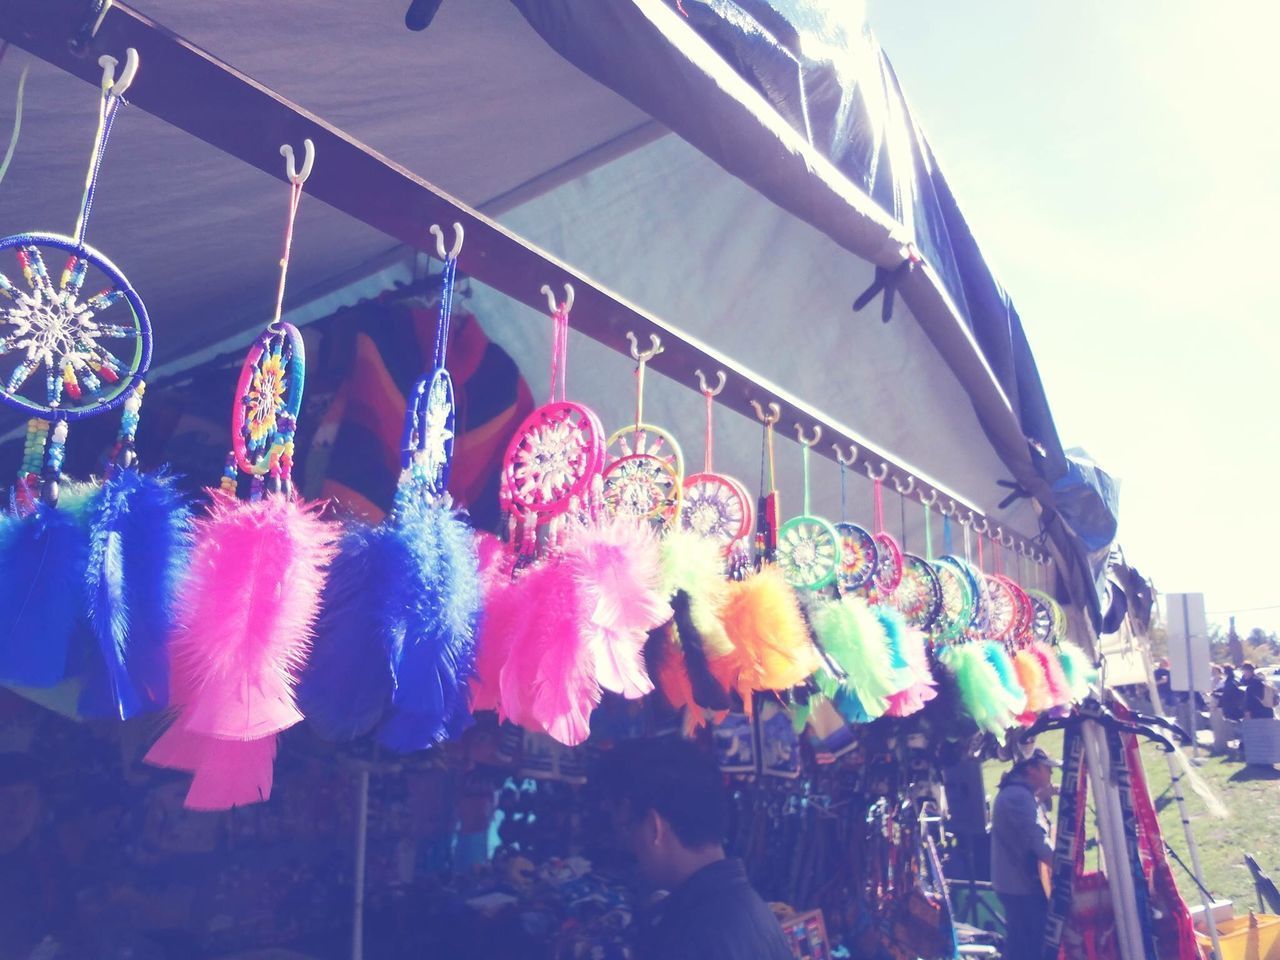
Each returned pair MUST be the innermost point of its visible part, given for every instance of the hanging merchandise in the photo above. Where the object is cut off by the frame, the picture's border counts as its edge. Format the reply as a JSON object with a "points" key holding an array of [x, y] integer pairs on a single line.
{"points": [[554, 461], [852, 637], [956, 584], [808, 546], [768, 507], [888, 571], [395, 643], [919, 595], [857, 546], [44, 551], [714, 505], [693, 569], [644, 468], [247, 608]]}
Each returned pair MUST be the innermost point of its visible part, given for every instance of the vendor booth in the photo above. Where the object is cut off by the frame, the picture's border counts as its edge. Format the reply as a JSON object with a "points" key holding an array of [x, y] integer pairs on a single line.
{"points": [[654, 387]]}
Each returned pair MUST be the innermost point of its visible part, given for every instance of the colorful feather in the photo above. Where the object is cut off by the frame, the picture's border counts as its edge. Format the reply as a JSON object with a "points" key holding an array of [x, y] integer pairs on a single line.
{"points": [[667, 667], [139, 542], [431, 607], [999, 658], [923, 688], [853, 636], [772, 649], [346, 689], [1078, 669], [248, 608], [695, 565], [43, 557], [1059, 690], [1032, 679], [706, 689], [895, 629], [502, 619], [618, 567], [982, 694]]}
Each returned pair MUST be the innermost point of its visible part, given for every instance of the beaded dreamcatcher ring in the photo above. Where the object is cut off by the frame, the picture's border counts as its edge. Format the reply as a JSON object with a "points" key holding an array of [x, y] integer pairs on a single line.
{"points": [[715, 506], [1050, 621], [1002, 616], [644, 467], [808, 546], [887, 574], [265, 417], [957, 599], [857, 546], [919, 595], [430, 418]]}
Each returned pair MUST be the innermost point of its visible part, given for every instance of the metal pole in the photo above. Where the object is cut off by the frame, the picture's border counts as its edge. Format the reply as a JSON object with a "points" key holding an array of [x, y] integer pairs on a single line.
{"points": [[1191, 681], [362, 838], [1175, 779], [1111, 838]]}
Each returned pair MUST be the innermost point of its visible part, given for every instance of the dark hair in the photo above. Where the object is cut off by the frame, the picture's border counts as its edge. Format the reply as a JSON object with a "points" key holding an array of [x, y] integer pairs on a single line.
{"points": [[1248, 665], [673, 777]]}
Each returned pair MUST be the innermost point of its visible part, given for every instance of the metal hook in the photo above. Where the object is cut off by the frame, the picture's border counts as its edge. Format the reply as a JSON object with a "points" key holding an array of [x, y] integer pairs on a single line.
{"points": [[840, 457], [904, 490], [644, 356], [933, 497], [984, 529], [308, 158], [111, 85], [884, 471], [774, 415], [551, 297], [702, 383], [800, 437], [457, 241]]}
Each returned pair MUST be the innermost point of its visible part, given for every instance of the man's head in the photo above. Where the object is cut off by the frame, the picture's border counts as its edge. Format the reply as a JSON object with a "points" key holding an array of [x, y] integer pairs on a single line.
{"points": [[1037, 768], [1247, 670], [669, 806]]}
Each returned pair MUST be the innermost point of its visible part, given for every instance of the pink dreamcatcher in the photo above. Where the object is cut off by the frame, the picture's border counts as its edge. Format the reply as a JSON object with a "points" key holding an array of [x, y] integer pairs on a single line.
{"points": [[644, 468], [888, 570], [554, 460], [715, 506]]}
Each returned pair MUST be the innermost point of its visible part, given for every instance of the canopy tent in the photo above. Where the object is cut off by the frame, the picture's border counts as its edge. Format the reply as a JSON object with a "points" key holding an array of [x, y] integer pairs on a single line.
{"points": [[723, 220]]}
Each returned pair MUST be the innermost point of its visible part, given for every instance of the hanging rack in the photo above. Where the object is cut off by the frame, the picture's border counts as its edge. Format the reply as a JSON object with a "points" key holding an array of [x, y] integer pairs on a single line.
{"points": [[195, 92]]}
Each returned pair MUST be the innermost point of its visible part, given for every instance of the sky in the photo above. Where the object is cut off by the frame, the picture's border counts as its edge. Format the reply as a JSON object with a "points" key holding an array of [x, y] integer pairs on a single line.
{"points": [[1119, 164]]}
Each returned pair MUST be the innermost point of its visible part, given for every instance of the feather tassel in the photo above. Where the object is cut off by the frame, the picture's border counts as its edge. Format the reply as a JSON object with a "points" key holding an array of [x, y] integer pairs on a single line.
{"points": [[982, 694], [140, 531], [1032, 678], [854, 638], [43, 557], [999, 658], [1078, 668], [923, 688], [1059, 690], [502, 620], [695, 565], [667, 666], [895, 629], [706, 689]]}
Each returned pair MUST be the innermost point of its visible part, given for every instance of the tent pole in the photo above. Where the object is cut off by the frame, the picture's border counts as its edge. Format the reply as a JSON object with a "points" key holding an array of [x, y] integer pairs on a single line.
{"points": [[362, 843], [1111, 840]]}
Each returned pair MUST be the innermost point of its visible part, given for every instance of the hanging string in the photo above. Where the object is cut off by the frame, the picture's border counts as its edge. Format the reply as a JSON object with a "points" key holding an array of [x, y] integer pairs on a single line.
{"points": [[446, 311], [295, 198], [559, 351], [108, 105], [707, 435], [805, 460], [981, 563], [843, 485], [902, 509], [967, 555], [877, 499], [947, 545], [640, 365], [928, 534], [17, 116], [773, 478]]}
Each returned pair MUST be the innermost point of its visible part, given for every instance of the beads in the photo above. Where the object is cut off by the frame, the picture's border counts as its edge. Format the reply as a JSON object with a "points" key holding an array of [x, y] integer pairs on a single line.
{"points": [[33, 447]]}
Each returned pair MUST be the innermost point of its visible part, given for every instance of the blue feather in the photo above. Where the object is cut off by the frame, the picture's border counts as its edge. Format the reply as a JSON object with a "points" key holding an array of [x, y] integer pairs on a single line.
{"points": [[346, 686], [430, 614], [42, 563], [139, 541]]}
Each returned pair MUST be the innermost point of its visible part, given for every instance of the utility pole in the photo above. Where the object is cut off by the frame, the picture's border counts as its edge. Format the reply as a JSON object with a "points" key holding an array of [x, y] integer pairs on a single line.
{"points": [[1235, 649]]}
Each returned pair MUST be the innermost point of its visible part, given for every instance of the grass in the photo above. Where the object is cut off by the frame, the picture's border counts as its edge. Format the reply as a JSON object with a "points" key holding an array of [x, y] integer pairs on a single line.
{"points": [[1252, 798]]}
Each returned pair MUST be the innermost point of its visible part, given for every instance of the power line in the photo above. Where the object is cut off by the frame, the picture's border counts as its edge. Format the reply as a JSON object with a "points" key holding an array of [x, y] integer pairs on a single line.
{"points": [[1274, 606]]}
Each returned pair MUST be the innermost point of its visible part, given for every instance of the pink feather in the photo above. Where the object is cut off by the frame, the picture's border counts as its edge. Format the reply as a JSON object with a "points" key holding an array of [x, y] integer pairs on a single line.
{"points": [[501, 620], [233, 773], [247, 611], [923, 686], [1059, 689], [618, 567]]}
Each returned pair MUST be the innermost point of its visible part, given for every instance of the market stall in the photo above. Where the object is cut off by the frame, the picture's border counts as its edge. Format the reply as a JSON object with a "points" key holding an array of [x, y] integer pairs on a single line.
{"points": [[911, 575]]}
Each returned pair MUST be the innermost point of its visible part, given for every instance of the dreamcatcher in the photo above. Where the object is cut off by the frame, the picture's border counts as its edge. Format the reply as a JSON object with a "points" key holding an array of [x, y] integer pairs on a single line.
{"points": [[919, 595], [644, 469], [249, 603], [857, 546], [888, 570], [715, 506], [556, 456], [93, 350], [395, 644], [808, 546]]}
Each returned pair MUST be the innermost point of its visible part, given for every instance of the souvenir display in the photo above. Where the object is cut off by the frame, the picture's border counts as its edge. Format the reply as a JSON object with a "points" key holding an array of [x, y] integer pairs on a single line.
{"points": [[808, 546], [857, 546], [888, 571], [714, 505], [644, 468]]}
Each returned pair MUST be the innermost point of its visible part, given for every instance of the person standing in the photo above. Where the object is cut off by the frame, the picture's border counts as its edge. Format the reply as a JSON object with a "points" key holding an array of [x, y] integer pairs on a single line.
{"points": [[1019, 847], [670, 809], [1259, 697]]}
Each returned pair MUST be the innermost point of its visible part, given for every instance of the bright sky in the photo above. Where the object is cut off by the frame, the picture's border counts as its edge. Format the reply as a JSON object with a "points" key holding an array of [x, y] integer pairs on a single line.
{"points": [[1120, 165]]}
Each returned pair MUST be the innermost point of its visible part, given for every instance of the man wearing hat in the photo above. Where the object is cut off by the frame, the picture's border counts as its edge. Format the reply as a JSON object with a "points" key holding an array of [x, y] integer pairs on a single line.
{"points": [[1019, 845]]}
